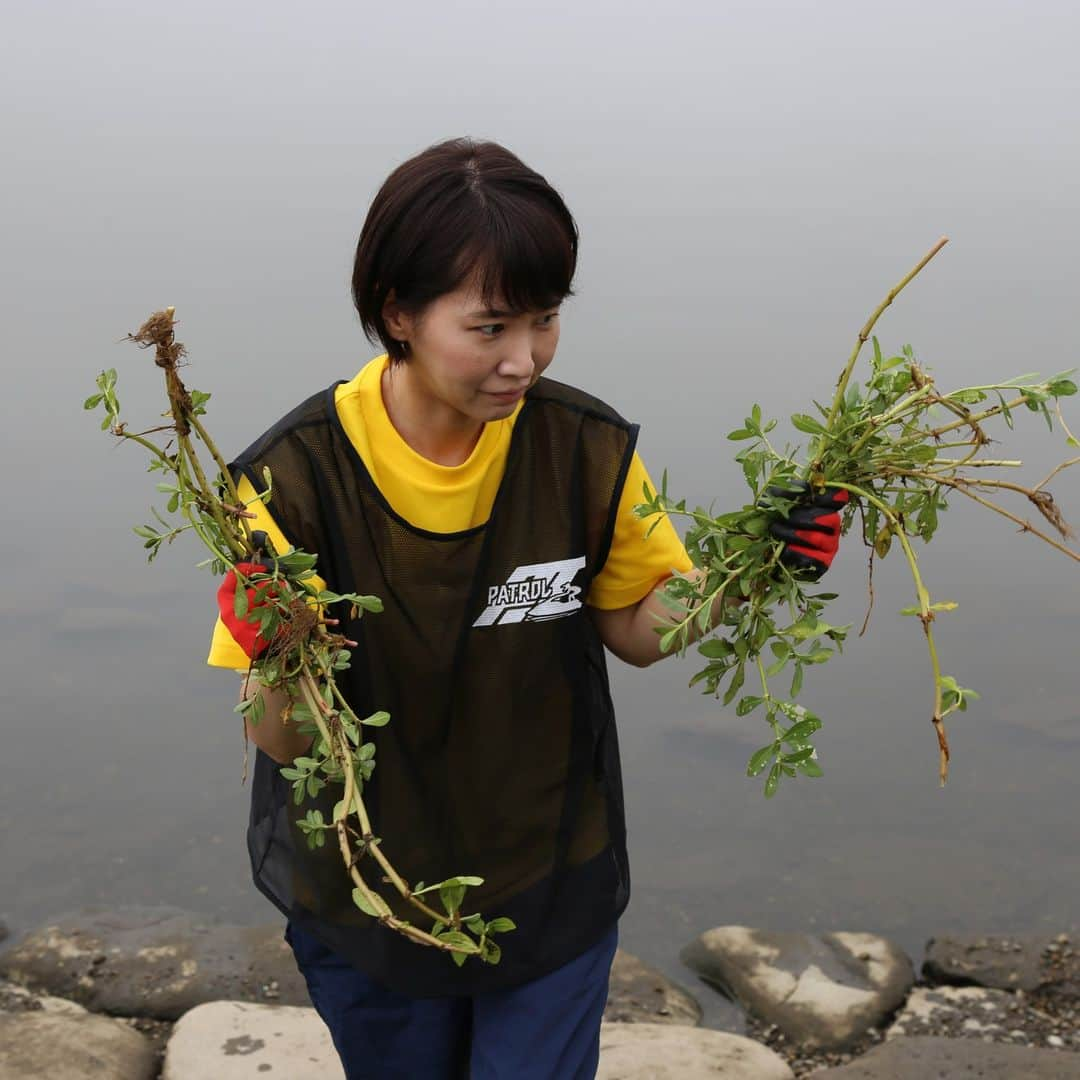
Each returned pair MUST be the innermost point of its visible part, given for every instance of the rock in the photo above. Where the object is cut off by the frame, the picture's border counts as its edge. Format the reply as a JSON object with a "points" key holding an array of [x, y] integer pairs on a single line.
{"points": [[236, 1040], [678, 1052], [155, 962], [959, 1012], [1001, 963], [821, 991], [925, 1058], [638, 993], [50, 1037]]}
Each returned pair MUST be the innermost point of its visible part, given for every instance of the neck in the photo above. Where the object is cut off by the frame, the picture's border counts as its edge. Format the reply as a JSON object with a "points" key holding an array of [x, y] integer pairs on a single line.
{"points": [[434, 430]]}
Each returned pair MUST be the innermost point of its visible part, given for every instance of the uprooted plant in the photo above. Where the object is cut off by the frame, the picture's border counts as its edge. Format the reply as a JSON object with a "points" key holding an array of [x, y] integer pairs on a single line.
{"points": [[305, 653], [899, 446]]}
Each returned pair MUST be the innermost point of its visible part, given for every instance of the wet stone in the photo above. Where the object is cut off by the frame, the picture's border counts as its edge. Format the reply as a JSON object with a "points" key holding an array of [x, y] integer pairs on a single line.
{"points": [[638, 993], [925, 1058], [822, 991], [673, 1052], [237, 1040], [42, 1036], [1002, 963], [156, 962]]}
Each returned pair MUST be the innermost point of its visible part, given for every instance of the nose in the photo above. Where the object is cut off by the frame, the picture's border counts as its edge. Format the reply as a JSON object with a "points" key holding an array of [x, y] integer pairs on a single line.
{"points": [[517, 361]]}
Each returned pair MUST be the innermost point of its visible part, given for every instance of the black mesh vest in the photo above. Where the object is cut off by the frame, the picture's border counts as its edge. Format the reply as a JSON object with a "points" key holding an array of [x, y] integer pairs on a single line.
{"points": [[501, 757]]}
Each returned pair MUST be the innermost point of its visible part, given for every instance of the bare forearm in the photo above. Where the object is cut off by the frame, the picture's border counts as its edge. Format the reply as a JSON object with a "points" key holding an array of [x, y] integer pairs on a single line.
{"points": [[631, 632], [273, 736], [651, 613]]}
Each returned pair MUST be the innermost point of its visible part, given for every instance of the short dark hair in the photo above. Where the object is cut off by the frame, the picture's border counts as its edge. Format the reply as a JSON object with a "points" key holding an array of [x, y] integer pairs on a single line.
{"points": [[460, 207]]}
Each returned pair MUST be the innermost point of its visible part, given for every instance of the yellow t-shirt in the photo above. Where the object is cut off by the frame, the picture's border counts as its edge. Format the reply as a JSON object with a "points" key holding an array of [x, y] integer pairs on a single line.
{"points": [[452, 498]]}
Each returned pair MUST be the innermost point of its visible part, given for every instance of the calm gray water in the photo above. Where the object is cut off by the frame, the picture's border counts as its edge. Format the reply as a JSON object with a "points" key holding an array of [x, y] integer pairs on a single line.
{"points": [[749, 180]]}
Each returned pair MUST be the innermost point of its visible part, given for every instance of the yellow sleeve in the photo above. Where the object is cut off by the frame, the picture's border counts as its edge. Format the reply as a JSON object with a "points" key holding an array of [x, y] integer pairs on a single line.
{"points": [[634, 565], [224, 652]]}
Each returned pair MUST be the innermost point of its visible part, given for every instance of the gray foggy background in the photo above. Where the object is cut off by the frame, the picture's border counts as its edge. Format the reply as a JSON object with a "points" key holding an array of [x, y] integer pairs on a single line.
{"points": [[749, 180]]}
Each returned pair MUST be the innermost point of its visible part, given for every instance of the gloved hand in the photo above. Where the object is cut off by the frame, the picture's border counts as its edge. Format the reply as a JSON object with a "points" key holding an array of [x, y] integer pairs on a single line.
{"points": [[244, 633], [811, 532]]}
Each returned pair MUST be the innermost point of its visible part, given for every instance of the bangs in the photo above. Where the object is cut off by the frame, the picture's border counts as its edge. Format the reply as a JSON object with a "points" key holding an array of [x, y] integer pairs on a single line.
{"points": [[463, 213], [525, 262]]}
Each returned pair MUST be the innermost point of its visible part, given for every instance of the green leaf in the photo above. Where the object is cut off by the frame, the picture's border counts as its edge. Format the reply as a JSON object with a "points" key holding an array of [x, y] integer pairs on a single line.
{"points": [[747, 705], [760, 758], [739, 434], [941, 605], [801, 730], [461, 942], [736, 683], [377, 719], [1062, 387], [797, 680], [501, 925], [1006, 412], [93, 401], [807, 627], [362, 902], [240, 601], [810, 768], [716, 648], [807, 424], [463, 880], [451, 897], [796, 757], [772, 781], [776, 666]]}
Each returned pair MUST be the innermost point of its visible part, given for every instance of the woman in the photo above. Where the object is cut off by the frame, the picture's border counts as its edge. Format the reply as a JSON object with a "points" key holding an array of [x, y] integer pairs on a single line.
{"points": [[490, 507]]}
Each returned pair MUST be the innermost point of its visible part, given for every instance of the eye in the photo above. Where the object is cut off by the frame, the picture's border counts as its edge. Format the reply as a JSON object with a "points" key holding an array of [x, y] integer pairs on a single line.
{"points": [[494, 327], [547, 320]]}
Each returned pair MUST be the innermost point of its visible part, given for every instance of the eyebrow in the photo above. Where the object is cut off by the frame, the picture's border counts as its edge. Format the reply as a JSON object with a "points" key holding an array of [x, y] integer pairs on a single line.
{"points": [[495, 313]]}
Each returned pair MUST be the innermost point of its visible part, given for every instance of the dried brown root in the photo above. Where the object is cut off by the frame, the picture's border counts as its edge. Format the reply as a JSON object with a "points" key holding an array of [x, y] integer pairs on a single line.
{"points": [[1044, 503]]}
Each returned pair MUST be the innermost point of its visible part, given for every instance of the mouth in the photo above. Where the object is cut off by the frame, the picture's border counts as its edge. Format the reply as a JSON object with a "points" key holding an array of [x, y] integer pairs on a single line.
{"points": [[506, 396]]}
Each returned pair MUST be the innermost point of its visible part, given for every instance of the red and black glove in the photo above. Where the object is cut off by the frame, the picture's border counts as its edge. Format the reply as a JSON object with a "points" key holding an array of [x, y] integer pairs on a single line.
{"points": [[246, 634], [811, 531]]}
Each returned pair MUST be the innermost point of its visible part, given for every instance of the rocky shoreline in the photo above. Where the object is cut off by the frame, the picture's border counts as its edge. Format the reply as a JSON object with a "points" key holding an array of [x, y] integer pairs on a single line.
{"points": [[165, 994]]}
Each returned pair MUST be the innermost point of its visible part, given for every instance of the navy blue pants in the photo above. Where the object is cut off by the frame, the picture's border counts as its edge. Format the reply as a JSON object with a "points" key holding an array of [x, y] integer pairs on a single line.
{"points": [[547, 1029]]}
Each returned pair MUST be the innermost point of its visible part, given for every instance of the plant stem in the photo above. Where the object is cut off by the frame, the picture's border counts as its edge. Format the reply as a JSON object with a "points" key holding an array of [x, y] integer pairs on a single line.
{"points": [[312, 695], [926, 616], [864, 333], [226, 476]]}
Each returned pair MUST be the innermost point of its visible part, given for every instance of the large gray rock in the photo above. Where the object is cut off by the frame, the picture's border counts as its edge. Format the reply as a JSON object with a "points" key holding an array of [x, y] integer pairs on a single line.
{"points": [[929, 1059], [673, 1052], [821, 991], [1002, 963], [49, 1037], [236, 1040], [638, 993], [155, 962], [1047, 968]]}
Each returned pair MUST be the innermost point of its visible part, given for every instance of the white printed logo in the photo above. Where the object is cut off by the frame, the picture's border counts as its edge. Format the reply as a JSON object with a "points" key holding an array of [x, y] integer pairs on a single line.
{"points": [[535, 594]]}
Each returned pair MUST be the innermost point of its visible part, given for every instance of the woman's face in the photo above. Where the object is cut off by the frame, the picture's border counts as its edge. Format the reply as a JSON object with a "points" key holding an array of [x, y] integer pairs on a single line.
{"points": [[474, 360]]}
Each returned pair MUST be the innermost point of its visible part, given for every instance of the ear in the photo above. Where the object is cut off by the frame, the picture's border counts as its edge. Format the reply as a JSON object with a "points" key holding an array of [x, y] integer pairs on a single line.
{"points": [[397, 321]]}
